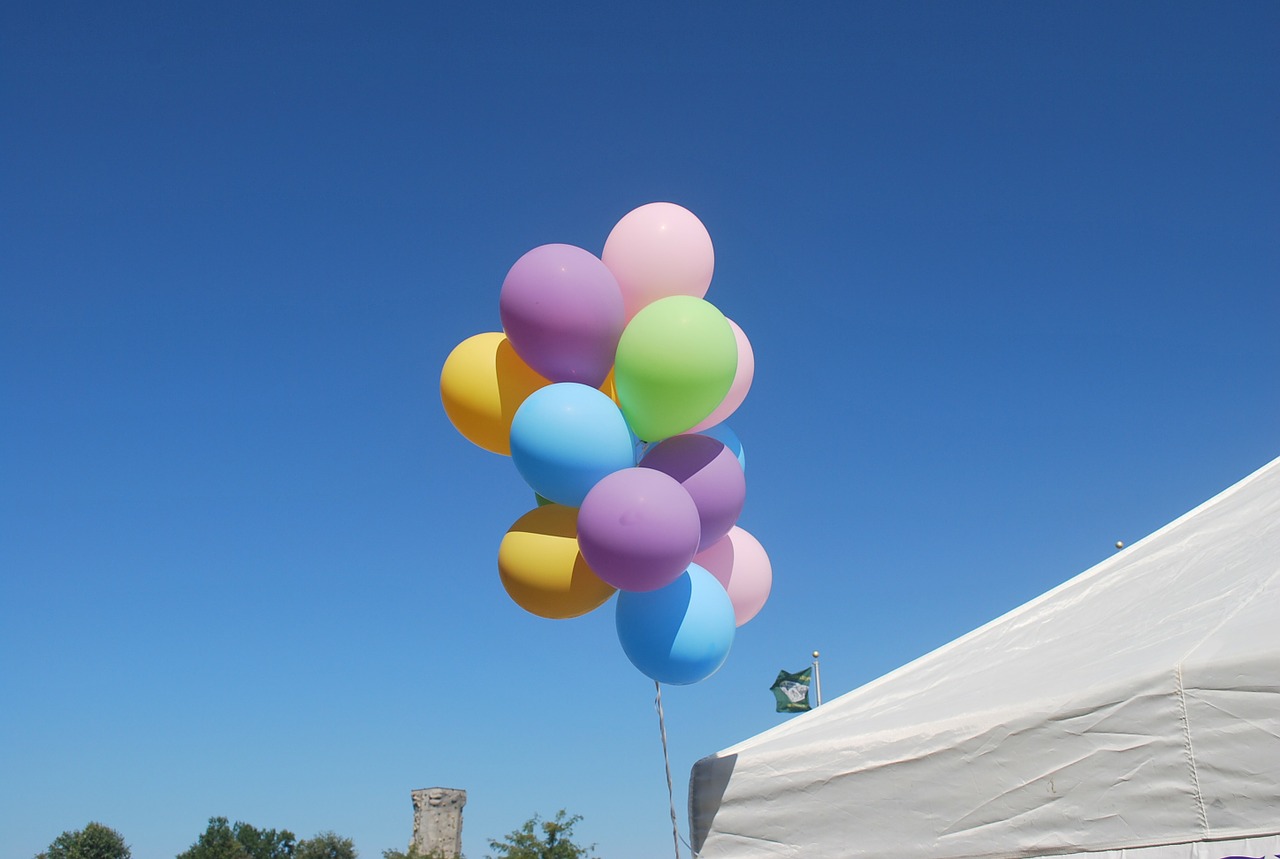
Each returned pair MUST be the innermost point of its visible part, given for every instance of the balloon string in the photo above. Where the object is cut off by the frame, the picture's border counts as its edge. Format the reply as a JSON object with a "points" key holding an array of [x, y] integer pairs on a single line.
{"points": [[671, 795]]}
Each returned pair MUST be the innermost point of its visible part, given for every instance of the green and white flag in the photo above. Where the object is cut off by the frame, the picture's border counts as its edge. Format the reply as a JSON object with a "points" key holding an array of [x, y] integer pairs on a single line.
{"points": [[792, 691]]}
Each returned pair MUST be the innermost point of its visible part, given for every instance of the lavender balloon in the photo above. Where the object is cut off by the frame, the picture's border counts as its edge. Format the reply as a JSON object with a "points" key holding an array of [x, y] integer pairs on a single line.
{"points": [[711, 474], [638, 529], [563, 313]]}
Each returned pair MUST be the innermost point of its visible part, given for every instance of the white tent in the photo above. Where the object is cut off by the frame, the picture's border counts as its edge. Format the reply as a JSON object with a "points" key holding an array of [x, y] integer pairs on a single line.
{"points": [[1133, 711]]}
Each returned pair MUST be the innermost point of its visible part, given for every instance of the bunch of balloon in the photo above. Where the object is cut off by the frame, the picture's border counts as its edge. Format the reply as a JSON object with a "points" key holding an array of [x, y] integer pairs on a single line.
{"points": [[608, 387]]}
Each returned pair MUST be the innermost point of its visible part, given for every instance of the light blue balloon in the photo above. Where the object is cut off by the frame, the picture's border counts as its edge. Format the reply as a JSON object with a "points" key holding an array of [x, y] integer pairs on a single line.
{"points": [[679, 634], [727, 437], [640, 447], [567, 436]]}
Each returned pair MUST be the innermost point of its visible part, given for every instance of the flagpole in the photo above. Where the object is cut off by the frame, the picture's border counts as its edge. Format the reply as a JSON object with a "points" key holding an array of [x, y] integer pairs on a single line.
{"points": [[817, 680]]}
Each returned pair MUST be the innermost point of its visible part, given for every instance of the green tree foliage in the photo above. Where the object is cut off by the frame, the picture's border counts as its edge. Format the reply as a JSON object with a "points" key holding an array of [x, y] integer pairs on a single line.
{"points": [[95, 841], [411, 853], [543, 839], [216, 842], [265, 843], [325, 845], [242, 841]]}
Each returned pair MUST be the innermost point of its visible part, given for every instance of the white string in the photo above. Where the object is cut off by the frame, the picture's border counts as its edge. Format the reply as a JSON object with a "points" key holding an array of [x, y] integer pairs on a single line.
{"points": [[671, 794]]}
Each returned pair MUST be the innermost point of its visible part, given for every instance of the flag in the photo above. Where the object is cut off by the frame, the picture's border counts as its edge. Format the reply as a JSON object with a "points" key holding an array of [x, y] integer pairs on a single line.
{"points": [[792, 691]]}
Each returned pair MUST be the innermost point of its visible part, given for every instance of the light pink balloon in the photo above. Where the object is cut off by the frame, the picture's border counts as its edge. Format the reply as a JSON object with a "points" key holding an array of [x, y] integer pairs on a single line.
{"points": [[741, 382], [739, 562], [656, 251]]}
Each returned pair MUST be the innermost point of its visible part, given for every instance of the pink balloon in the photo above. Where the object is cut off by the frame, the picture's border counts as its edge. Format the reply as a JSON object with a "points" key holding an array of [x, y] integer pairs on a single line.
{"points": [[711, 474], [739, 562], [562, 312], [656, 251], [741, 382], [638, 529]]}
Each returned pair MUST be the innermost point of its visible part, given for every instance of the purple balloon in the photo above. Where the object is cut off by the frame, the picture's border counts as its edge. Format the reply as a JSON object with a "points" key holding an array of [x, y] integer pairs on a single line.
{"points": [[638, 529], [562, 312], [711, 474]]}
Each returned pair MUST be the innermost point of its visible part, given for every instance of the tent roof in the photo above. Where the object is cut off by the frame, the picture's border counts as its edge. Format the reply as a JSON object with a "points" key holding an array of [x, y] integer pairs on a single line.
{"points": [[1136, 704]]}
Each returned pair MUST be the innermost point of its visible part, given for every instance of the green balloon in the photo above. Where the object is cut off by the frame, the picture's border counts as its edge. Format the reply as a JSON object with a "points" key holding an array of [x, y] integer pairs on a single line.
{"points": [[675, 363]]}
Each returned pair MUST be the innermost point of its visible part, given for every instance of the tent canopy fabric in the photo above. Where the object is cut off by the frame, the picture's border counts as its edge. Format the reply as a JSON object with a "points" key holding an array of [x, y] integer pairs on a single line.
{"points": [[1136, 705]]}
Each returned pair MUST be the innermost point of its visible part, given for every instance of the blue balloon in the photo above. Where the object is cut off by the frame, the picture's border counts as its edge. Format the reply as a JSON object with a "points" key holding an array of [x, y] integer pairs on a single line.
{"points": [[727, 437], [639, 446], [567, 436], [679, 634]]}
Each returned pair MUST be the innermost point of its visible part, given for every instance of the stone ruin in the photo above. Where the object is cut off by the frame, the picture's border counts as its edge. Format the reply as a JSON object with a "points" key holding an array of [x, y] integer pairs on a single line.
{"points": [[437, 821]]}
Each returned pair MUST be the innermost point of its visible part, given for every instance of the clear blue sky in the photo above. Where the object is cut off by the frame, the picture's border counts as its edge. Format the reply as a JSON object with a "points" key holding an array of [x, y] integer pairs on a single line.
{"points": [[1010, 271]]}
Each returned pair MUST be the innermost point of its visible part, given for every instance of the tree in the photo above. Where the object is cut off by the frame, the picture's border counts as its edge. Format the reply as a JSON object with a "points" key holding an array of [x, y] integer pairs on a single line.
{"points": [[242, 841], [412, 853], [555, 841], [326, 845], [95, 841], [218, 841], [265, 843]]}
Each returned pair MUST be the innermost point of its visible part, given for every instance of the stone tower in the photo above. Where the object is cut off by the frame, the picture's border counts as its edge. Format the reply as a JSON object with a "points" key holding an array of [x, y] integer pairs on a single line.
{"points": [[437, 820]]}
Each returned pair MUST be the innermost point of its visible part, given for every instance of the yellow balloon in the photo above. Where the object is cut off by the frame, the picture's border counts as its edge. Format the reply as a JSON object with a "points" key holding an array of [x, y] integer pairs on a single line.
{"points": [[482, 384], [542, 569], [609, 387]]}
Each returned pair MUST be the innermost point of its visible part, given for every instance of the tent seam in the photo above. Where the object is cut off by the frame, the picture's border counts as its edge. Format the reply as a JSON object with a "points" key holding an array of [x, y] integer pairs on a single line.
{"points": [[1191, 754]]}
